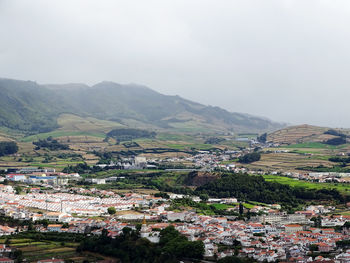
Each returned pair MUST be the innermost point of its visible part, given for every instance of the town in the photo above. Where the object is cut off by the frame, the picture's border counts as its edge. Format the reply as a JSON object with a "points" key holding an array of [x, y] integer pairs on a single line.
{"points": [[272, 235]]}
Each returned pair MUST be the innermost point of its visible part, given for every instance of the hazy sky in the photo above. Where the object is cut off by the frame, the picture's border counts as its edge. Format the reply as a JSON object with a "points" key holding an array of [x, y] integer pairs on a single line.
{"points": [[286, 60]]}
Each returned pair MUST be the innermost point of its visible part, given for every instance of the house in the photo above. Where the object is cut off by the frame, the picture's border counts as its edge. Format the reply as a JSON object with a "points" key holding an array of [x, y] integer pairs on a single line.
{"points": [[54, 228], [256, 228], [4, 249], [324, 247], [54, 216], [42, 179], [96, 180], [6, 188], [5, 230], [176, 216], [16, 177], [293, 228], [6, 260]]}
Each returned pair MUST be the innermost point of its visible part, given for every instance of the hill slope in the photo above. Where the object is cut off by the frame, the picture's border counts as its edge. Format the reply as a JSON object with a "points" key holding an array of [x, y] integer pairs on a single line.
{"points": [[34, 108], [301, 134]]}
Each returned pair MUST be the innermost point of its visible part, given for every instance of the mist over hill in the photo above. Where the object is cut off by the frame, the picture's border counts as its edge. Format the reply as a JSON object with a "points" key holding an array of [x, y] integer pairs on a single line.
{"points": [[33, 108]]}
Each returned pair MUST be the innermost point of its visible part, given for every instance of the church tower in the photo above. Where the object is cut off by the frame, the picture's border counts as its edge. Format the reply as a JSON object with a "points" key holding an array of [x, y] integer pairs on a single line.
{"points": [[144, 230]]}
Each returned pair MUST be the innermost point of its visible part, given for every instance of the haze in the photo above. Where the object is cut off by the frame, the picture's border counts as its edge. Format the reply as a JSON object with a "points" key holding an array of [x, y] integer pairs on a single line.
{"points": [[286, 60]]}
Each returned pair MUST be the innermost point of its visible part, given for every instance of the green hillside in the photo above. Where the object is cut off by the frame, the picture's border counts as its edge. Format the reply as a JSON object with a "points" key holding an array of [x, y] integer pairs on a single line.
{"points": [[34, 108]]}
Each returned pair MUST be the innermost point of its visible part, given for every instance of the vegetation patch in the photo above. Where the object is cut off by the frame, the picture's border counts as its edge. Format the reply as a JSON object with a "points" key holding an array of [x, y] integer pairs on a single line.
{"points": [[51, 144], [129, 247], [256, 188], [343, 188], [7, 148], [128, 134], [250, 157]]}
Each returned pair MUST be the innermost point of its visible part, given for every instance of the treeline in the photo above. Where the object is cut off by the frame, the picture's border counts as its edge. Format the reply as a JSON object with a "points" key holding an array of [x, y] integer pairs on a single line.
{"points": [[336, 141], [128, 134], [129, 247], [250, 157], [322, 168], [51, 144], [340, 139], [200, 207], [337, 159], [255, 188], [7, 148], [242, 186], [81, 168]]}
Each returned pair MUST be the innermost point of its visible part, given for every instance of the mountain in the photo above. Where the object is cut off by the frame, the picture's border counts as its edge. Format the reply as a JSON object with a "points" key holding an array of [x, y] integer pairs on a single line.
{"points": [[34, 108]]}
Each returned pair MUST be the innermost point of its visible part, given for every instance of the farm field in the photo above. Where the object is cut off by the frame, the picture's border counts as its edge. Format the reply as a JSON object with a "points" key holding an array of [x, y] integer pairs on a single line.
{"points": [[289, 161], [314, 145], [38, 250], [297, 134], [302, 134], [343, 188], [72, 125]]}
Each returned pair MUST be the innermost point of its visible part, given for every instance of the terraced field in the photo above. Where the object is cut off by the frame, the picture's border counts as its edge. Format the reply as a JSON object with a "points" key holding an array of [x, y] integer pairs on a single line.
{"points": [[37, 250], [289, 161], [299, 134], [72, 125]]}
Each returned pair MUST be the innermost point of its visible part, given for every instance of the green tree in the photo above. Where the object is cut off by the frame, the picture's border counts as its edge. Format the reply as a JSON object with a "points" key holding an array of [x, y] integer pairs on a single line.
{"points": [[111, 210], [241, 208], [18, 189], [313, 248], [250, 157], [7, 148], [204, 197]]}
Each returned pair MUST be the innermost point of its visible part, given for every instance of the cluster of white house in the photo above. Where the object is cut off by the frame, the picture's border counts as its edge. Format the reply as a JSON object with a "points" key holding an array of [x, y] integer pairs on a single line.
{"points": [[51, 178]]}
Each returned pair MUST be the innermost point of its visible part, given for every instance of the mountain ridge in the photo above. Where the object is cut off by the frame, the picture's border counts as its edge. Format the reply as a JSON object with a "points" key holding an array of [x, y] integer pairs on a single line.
{"points": [[34, 108]]}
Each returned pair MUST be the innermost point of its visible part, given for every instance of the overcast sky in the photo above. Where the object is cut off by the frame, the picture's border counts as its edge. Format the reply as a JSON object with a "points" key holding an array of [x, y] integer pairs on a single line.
{"points": [[286, 60]]}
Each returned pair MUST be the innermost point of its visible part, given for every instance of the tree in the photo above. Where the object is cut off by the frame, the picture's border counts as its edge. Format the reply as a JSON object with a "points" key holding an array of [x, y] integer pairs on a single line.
{"points": [[346, 225], [111, 210], [262, 138], [204, 197], [65, 225], [250, 157], [18, 255], [7, 148], [336, 141], [30, 226], [317, 221], [313, 247], [241, 209], [104, 232], [18, 189]]}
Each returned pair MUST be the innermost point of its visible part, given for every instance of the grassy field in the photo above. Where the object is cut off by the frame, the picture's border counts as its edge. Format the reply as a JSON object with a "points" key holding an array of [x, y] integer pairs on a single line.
{"points": [[37, 250], [72, 125], [314, 145], [61, 133], [221, 206], [344, 188], [249, 205]]}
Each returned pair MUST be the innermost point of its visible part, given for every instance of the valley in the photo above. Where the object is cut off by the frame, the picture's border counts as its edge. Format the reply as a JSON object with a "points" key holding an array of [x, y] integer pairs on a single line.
{"points": [[92, 178]]}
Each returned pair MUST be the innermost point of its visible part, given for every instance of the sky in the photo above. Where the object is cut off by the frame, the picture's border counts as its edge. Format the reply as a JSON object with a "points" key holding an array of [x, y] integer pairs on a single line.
{"points": [[286, 60]]}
